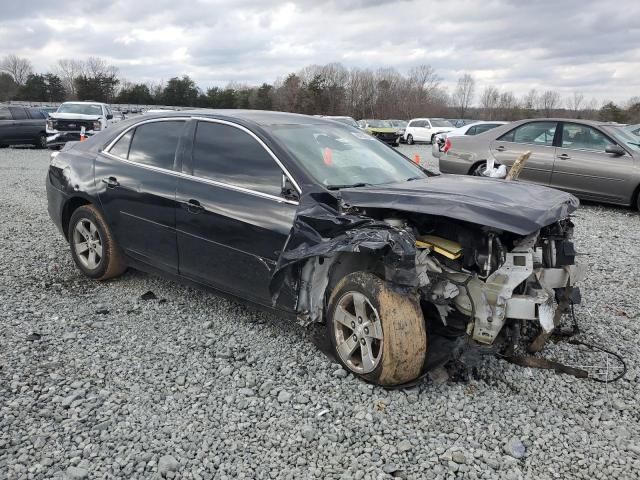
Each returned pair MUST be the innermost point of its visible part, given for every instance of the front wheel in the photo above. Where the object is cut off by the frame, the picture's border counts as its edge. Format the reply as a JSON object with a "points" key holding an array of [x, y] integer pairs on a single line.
{"points": [[410, 139], [93, 247], [376, 332]]}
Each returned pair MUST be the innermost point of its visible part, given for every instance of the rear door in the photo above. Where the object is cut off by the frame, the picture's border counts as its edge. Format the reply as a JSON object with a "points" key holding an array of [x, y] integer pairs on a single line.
{"points": [[584, 168], [232, 221], [537, 137], [25, 129], [136, 179]]}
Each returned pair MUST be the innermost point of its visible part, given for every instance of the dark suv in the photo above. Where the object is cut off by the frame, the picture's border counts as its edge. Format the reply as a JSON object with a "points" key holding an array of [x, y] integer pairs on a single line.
{"points": [[22, 126]]}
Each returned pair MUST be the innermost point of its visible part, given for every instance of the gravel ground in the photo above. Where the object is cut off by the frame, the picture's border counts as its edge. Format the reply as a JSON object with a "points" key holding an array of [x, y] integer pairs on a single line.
{"points": [[96, 382]]}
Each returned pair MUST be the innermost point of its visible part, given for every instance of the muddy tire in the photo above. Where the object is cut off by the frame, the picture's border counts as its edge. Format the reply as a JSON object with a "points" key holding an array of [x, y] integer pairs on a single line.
{"points": [[93, 247], [376, 333]]}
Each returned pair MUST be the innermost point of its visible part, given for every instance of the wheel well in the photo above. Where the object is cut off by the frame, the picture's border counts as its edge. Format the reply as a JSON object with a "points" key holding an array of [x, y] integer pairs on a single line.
{"points": [[346, 263], [71, 206]]}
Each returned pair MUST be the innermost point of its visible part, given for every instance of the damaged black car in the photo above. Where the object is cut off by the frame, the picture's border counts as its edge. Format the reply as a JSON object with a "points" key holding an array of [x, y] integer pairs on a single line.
{"points": [[321, 222]]}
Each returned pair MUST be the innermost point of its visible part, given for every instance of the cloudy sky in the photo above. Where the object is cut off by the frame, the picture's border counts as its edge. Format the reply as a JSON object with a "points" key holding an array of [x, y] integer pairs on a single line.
{"points": [[592, 47]]}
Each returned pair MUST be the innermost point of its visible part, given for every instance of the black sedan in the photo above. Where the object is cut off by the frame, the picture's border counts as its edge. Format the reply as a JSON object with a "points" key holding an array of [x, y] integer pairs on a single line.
{"points": [[322, 222]]}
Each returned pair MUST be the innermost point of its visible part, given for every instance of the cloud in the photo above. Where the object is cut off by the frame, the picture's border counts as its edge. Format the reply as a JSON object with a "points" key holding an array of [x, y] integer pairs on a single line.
{"points": [[568, 46]]}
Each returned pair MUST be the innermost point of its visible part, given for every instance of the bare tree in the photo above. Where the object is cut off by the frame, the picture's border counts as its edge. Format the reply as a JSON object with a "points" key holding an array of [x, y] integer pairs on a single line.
{"points": [[548, 102], [489, 101], [19, 68], [530, 101], [463, 94], [574, 103], [508, 106], [68, 69]]}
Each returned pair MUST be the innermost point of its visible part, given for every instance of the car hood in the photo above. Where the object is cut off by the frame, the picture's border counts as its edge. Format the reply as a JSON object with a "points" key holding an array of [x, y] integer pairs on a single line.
{"points": [[516, 207], [73, 116]]}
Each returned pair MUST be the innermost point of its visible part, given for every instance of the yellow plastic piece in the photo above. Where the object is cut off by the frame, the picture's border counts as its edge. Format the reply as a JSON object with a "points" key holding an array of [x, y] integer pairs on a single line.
{"points": [[448, 248]]}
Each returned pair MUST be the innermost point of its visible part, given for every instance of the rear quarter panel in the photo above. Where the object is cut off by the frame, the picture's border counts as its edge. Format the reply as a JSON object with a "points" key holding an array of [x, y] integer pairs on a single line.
{"points": [[464, 153]]}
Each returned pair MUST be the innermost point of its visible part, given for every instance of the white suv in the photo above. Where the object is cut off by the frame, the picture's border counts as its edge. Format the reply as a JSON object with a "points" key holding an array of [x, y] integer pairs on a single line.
{"points": [[425, 129], [72, 118]]}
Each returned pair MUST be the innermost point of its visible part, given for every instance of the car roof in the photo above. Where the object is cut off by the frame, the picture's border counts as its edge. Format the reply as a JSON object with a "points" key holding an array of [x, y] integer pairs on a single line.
{"points": [[259, 117], [595, 123]]}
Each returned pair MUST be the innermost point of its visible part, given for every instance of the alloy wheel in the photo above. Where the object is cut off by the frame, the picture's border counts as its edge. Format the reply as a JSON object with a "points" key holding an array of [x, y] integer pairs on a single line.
{"points": [[358, 333], [87, 243]]}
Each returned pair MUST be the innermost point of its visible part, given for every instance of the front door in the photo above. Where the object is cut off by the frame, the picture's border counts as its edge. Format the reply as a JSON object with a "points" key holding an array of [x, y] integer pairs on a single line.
{"points": [[537, 137], [136, 180], [232, 222], [582, 166]]}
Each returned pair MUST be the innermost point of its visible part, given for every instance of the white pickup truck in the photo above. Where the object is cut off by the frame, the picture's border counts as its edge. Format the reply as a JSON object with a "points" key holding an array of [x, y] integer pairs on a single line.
{"points": [[66, 124]]}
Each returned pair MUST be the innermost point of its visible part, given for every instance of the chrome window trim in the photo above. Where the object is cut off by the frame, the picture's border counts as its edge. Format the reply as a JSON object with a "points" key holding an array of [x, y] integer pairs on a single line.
{"points": [[205, 180], [202, 180]]}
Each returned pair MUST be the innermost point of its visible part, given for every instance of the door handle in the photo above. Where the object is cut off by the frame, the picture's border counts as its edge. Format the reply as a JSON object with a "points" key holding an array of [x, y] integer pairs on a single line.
{"points": [[111, 182], [564, 156], [500, 148], [194, 206]]}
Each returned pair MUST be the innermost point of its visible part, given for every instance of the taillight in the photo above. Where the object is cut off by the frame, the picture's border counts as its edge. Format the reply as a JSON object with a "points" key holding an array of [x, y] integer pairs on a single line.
{"points": [[447, 145]]}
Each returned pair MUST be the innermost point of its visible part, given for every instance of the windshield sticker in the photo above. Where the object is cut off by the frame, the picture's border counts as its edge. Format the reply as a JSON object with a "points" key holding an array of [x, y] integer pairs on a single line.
{"points": [[327, 156]]}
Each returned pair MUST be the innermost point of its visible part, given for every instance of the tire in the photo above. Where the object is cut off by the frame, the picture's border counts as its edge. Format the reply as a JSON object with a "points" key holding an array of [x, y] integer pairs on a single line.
{"points": [[377, 333], [93, 247], [478, 169], [433, 137], [410, 139], [41, 141]]}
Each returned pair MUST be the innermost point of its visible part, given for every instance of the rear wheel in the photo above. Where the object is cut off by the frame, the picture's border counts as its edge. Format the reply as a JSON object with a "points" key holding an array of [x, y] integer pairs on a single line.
{"points": [[41, 141], [410, 139], [478, 169], [377, 333], [93, 247]]}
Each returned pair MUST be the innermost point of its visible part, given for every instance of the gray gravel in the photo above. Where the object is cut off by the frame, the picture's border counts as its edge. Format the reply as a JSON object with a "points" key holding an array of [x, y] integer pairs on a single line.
{"points": [[97, 383]]}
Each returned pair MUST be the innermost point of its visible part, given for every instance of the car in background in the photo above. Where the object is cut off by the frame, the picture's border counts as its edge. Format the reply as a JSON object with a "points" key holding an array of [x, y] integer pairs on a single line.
{"points": [[461, 122], [593, 160], [72, 118], [401, 125], [343, 119], [382, 130], [22, 126], [47, 110], [476, 128], [426, 129]]}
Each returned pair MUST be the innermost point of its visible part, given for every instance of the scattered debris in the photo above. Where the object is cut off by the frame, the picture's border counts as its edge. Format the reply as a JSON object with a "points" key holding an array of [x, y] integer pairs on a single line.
{"points": [[149, 295]]}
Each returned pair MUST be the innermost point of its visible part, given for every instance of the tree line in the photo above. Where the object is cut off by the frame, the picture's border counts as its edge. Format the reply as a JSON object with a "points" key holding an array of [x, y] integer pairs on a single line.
{"points": [[330, 89]]}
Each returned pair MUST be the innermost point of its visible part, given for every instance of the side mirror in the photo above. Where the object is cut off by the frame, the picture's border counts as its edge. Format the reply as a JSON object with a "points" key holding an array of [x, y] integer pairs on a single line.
{"points": [[287, 189], [109, 116], [616, 150]]}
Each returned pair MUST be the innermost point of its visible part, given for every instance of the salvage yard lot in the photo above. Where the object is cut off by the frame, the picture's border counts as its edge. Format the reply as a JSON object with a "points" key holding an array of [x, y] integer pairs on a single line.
{"points": [[95, 380]]}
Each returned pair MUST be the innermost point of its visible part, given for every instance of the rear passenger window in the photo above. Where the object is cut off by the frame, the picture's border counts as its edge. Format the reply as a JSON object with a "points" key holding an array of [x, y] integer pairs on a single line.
{"points": [[18, 113], [537, 133], [229, 155], [155, 143], [121, 147], [5, 114]]}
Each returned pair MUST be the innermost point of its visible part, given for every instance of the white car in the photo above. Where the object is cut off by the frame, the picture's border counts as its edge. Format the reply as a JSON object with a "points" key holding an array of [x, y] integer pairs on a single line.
{"points": [[73, 118], [425, 129], [438, 146]]}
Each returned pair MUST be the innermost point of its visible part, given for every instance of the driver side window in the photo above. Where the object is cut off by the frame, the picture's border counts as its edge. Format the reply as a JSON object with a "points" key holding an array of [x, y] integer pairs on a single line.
{"points": [[583, 137]]}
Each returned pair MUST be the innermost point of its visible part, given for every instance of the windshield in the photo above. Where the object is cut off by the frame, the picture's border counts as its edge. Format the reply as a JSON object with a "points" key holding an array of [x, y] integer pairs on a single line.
{"points": [[379, 124], [630, 140], [80, 108], [338, 156], [440, 122]]}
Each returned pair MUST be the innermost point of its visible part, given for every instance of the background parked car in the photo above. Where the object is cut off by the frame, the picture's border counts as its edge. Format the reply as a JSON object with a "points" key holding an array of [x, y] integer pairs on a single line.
{"points": [[469, 129], [401, 125], [67, 122], [461, 122], [425, 129], [382, 130], [593, 160], [22, 126], [342, 119], [634, 129]]}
